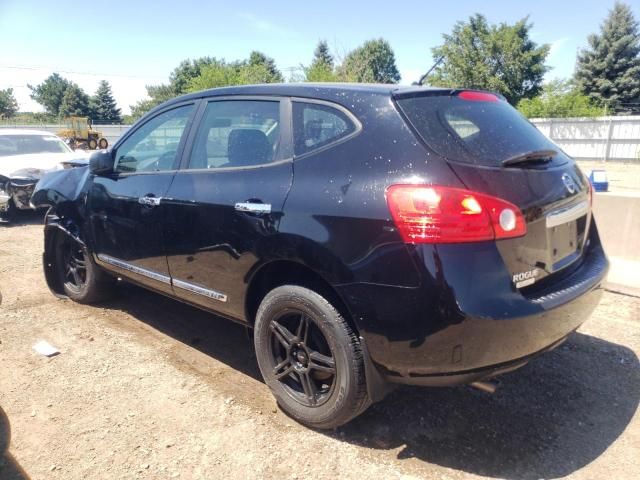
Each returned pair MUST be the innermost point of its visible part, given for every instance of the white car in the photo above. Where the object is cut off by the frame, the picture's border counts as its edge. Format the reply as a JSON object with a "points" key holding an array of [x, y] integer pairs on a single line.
{"points": [[25, 156]]}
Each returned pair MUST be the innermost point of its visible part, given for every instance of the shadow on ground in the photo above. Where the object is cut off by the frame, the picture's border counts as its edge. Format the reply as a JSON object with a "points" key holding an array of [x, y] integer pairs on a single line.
{"points": [[9, 468], [24, 217], [224, 340], [546, 420]]}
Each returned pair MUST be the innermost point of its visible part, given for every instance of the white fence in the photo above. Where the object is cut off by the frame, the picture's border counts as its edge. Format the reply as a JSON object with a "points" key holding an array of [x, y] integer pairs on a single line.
{"points": [[600, 138]]}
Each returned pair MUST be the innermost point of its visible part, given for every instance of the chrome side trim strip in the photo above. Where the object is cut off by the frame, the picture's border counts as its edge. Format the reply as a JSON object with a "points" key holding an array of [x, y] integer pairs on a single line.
{"points": [[200, 290], [134, 268], [568, 214]]}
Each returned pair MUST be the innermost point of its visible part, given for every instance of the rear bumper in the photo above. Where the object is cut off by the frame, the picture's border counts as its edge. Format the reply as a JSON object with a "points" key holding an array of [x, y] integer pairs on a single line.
{"points": [[469, 376], [467, 322]]}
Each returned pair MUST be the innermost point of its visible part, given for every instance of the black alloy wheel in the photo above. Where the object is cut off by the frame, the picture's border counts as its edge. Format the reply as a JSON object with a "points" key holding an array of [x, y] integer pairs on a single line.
{"points": [[301, 358], [74, 264], [310, 357]]}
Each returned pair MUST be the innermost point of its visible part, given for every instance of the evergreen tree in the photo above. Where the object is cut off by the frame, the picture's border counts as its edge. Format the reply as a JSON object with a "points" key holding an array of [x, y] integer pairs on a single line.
{"points": [[50, 92], [322, 67], [266, 66], [103, 106], [609, 69], [8, 103], [75, 102], [321, 55]]}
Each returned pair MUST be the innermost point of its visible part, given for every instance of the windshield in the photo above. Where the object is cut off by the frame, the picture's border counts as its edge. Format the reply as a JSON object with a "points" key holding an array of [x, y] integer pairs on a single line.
{"points": [[472, 131], [27, 144]]}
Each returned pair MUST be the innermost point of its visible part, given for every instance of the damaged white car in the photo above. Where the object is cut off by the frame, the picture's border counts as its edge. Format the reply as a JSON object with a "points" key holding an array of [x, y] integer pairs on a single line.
{"points": [[25, 156]]}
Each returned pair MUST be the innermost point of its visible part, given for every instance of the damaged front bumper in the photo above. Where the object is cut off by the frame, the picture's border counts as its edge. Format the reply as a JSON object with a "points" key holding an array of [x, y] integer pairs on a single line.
{"points": [[16, 190]]}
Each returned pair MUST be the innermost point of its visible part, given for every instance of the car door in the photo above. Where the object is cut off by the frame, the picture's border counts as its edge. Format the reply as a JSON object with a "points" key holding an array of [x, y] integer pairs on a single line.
{"points": [[125, 207], [223, 208]]}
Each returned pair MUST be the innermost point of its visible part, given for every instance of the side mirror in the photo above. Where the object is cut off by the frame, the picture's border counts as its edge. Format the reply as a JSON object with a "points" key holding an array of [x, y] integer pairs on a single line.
{"points": [[101, 162]]}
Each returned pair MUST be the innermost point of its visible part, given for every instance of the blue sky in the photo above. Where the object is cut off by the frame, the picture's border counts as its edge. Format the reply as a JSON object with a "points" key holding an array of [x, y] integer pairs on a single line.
{"points": [[133, 43]]}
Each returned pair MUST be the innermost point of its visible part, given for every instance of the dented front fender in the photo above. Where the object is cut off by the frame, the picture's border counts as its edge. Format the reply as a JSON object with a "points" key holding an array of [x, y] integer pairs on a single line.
{"points": [[61, 187]]}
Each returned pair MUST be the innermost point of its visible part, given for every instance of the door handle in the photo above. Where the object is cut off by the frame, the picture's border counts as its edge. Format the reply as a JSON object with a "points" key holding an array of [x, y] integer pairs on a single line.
{"points": [[250, 207], [150, 201]]}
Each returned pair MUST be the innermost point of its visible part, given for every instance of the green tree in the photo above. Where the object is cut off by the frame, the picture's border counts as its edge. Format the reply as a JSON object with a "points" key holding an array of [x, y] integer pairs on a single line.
{"points": [[321, 54], [208, 72], [501, 58], [559, 98], [157, 94], [179, 80], [75, 102], [322, 65], [373, 62], [49, 93], [8, 103], [257, 69], [103, 106], [609, 69], [263, 69], [216, 75], [187, 70]]}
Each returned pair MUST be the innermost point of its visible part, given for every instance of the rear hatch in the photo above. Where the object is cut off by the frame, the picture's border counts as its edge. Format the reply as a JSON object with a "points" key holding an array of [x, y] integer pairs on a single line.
{"points": [[494, 150]]}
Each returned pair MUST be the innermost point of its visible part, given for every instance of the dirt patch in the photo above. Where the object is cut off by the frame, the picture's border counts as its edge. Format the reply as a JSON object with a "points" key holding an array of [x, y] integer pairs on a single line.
{"points": [[145, 387]]}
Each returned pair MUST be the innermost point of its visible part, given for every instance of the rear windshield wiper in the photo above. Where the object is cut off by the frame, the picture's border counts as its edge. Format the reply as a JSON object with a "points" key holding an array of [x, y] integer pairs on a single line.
{"points": [[538, 156]]}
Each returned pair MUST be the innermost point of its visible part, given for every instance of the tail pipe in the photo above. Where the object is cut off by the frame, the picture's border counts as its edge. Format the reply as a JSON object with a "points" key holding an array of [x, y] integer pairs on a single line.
{"points": [[486, 387]]}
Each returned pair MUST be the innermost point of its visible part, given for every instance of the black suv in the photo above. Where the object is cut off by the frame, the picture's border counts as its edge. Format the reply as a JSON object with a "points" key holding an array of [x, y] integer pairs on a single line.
{"points": [[370, 235]]}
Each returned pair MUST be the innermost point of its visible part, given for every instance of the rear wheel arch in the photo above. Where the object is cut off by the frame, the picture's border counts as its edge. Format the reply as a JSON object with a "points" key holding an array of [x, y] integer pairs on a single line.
{"points": [[287, 272]]}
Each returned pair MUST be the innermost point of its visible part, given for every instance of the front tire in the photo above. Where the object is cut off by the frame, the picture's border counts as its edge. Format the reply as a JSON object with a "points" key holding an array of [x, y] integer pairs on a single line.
{"points": [[310, 357], [81, 279]]}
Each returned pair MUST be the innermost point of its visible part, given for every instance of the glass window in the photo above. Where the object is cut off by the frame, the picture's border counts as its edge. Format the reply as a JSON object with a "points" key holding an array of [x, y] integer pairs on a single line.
{"points": [[237, 133], [316, 125], [154, 145], [31, 143], [484, 133]]}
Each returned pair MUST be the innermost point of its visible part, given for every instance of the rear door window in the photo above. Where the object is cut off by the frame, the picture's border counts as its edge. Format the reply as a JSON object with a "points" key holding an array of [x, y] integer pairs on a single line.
{"points": [[237, 133], [317, 125], [472, 131]]}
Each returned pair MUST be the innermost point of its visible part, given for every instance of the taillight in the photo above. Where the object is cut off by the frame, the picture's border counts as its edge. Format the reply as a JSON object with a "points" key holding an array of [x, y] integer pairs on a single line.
{"points": [[435, 214]]}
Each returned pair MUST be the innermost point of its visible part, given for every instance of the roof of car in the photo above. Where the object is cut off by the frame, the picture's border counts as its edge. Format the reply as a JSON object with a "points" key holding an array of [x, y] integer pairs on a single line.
{"points": [[24, 131], [323, 91]]}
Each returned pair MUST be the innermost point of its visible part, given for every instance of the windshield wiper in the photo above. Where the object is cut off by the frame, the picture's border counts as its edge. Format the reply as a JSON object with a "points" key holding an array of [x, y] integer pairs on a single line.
{"points": [[541, 156]]}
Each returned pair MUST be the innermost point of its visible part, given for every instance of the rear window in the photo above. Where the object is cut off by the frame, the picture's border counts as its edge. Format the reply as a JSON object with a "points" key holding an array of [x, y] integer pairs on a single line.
{"points": [[316, 126], [472, 131]]}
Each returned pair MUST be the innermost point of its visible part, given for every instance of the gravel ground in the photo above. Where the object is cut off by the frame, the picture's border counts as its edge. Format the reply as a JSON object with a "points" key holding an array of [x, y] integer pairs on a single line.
{"points": [[145, 387]]}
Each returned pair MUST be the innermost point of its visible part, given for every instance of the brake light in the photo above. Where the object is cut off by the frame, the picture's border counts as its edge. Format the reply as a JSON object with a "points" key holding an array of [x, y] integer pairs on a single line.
{"points": [[478, 96], [435, 214]]}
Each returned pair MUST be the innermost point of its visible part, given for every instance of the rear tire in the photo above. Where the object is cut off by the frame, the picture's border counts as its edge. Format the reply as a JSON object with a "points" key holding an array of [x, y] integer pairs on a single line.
{"points": [[81, 279], [92, 143], [103, 144], [310, 357]]}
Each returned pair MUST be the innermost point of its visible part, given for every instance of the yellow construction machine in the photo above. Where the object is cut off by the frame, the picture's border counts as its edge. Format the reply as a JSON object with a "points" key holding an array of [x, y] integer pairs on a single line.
{"points": [[79, 134]]}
